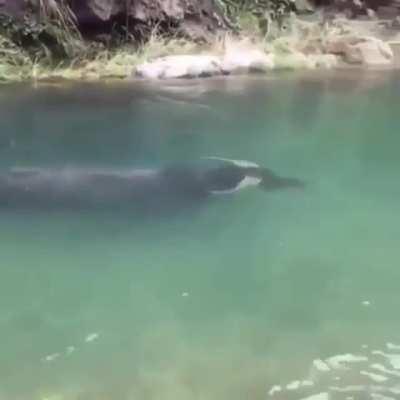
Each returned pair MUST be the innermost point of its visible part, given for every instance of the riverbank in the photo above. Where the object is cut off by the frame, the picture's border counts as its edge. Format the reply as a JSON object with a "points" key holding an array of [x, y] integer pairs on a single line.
{"points": [[303, 43], [308, 45]]}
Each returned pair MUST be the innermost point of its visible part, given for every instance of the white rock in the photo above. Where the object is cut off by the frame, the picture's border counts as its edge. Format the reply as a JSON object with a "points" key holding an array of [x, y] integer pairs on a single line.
{"points": [[366, 50], [182, 66], [150, 70], [245, 60]]}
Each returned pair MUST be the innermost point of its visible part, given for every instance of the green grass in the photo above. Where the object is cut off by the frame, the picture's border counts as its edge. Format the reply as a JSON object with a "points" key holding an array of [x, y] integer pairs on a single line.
{"points": [[89, 61], [15, 64], [118, 63], [92, 61]]}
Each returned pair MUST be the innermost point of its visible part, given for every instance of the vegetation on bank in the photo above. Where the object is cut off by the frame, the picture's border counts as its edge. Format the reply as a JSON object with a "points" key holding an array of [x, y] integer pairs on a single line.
{"points": [[51, 46]]}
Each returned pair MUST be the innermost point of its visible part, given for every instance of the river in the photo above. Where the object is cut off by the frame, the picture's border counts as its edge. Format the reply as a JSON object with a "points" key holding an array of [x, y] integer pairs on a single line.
{"points": [[234, 299]]}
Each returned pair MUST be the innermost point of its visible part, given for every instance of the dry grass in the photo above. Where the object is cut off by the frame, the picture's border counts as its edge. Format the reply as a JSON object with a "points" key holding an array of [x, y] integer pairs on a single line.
{"points": [[117, 64], [96, 63], [88, 63], [60, 15]]}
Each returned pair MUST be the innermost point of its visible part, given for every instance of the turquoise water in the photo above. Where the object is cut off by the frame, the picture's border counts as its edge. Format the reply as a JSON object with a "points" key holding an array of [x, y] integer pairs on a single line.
{"points": [[230, 298]]}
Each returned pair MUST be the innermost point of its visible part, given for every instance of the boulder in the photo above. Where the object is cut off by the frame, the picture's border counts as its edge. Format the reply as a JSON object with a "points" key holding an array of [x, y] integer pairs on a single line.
{"points": [[246, 60], [294, 60], [15, 8], [368, 51], [181, 66], [197, 19], [233, 61], [325, 61]]}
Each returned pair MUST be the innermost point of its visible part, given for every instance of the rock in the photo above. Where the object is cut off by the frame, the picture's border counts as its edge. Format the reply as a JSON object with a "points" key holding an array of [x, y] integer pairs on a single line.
{"points": [[367, 51], [387, 11], [192, 66], [183, 66], [244, 61], [304, 6], [15, 8], [395, 24], [234, 61], [196, 19], [326, 61], [294, 60]]}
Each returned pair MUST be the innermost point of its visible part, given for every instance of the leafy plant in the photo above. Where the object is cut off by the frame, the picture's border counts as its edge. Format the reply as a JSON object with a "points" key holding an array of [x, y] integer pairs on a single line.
{"points": [[265, 12]]}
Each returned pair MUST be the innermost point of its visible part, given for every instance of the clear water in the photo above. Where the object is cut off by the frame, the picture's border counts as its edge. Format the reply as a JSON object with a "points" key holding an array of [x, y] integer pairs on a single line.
{"points": [[232, 297]]}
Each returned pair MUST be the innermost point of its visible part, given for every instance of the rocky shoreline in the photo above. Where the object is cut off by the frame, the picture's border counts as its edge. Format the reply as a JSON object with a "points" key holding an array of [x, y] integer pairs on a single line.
{"points": [[197, 41], [340, 46]]}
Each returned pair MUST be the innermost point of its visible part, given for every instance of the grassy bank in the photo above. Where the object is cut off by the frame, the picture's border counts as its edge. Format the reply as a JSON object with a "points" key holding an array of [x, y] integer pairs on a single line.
{"points": [[55, 49], [93, 62], [88, 62], [47, 44]]}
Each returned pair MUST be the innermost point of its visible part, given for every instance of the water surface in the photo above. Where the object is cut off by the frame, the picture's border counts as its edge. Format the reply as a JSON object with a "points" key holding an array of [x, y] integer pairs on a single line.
{"points": [[225, 300]]}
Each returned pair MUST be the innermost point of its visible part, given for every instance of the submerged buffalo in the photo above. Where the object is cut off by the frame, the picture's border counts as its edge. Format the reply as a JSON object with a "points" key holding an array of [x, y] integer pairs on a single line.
{"points": [[153, 189]]}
